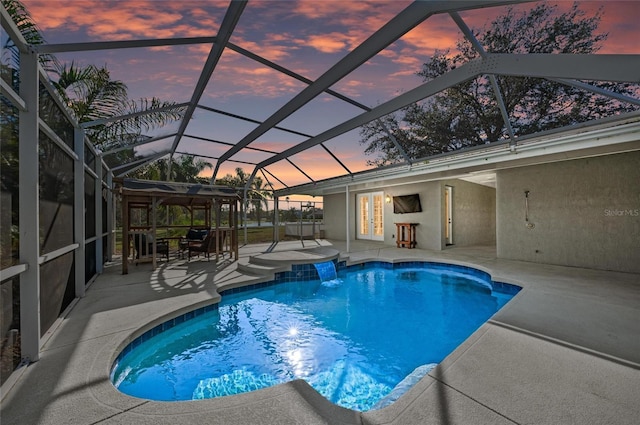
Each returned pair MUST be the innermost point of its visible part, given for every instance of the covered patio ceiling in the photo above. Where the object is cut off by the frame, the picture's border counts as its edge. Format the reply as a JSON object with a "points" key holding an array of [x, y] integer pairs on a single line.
{"points": [[289, 111]]}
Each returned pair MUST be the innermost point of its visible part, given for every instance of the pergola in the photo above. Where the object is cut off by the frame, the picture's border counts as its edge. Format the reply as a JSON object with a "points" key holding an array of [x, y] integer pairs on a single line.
{"points": [[149, 195]]}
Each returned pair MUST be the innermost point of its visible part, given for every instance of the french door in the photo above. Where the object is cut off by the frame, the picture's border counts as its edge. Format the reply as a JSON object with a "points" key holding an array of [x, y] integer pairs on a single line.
{"points": [[370, 212]]}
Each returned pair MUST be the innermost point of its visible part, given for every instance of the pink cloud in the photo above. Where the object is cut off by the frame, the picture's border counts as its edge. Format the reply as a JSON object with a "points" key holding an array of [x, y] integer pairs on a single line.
{"points": [[329, 43], [128, 20]]}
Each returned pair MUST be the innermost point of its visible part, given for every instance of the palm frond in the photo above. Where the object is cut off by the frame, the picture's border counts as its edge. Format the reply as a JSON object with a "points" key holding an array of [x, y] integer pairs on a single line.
{"points": [[29, 30]]}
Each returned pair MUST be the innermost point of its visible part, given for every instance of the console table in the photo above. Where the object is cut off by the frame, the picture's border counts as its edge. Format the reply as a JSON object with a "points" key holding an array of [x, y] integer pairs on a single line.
{"points": [[406, 235]]}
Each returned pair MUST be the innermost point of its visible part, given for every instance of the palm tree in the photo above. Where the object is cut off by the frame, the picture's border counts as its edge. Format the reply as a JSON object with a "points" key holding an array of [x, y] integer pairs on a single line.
{"points": [[92, 95], [30, 32], [184, 168], [89, 91], [259, 196]]}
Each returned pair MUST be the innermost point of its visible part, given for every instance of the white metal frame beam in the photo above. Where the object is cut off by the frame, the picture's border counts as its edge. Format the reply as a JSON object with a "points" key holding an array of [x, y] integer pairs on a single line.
{"points": [[600, 67], [597, 90], [141, 163], [13, 97], [14, 33], [229, 23], [423, 91], [213, 157], [134, 145], [333, 93], [399, 25], [79, 230], [122, 44], [29, 201], [492, 78], [597, 67]]}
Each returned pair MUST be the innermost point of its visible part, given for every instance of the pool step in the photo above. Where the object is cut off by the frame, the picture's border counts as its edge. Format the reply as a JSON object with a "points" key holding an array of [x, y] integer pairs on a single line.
{"points": [[266, 265], [256, 269]]}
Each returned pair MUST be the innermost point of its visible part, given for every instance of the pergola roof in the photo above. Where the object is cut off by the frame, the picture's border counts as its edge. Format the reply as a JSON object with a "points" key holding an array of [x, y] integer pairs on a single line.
{"points": [[290, 122], [171, 193]]}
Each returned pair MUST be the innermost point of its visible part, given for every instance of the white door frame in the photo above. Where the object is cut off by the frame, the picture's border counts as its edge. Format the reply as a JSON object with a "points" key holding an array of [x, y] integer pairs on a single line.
{"points": [[448, 215], [370, 216]]}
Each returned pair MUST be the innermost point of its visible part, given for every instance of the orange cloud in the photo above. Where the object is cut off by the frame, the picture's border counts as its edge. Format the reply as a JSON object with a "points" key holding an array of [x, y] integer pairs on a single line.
{"points": [[326, 43], [128, 20]]}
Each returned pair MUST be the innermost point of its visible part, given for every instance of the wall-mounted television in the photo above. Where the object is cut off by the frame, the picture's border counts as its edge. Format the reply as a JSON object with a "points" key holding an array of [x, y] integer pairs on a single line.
{"points": [[406, 204]]}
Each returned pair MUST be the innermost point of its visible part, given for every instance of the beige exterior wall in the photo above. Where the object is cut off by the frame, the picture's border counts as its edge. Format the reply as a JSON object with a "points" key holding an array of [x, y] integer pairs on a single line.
{"points": [[428, 232], [474, 213], [335, 216], [586, 213], [473, 205], [429, 229]]}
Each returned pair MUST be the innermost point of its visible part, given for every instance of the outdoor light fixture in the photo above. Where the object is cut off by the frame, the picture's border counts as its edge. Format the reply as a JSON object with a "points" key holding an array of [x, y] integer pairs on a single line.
{"points": [[387, 199]]}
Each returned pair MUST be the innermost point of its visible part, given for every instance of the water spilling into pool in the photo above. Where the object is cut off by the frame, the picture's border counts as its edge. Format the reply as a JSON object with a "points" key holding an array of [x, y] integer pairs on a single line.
{"points": [[354, 342], [326, 271]]}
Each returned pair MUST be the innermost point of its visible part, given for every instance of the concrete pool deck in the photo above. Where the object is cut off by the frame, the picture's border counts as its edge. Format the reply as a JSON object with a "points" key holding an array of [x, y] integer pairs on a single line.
{"points": [[566, 350]]}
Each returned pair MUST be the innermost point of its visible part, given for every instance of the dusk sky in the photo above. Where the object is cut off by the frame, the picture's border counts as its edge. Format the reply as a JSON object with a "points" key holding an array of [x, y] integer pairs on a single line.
{"points": [[307, 37]]}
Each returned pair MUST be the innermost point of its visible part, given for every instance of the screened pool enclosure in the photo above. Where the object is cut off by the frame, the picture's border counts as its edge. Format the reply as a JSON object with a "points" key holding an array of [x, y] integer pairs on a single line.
{"points": [[58, 204]]}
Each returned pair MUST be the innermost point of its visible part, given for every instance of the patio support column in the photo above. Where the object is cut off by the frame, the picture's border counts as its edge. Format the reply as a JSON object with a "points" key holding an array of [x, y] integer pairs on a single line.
{"points": [[218, 208], [79, 212], [348, 230], [29, 207], [234, 219], [98, 208], [276, 219], [153, 232], [110, 216], [245, 205], [125, 234]]}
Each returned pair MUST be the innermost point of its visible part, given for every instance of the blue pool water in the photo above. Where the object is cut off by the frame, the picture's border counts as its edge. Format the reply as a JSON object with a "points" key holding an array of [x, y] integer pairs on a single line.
{"points": [[353, 339]]}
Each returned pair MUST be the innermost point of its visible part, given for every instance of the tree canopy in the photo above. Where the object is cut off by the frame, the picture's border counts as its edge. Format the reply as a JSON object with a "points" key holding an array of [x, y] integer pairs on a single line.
{"points": [[92, 95], [468, 114], [257, 194], [184, 168]]}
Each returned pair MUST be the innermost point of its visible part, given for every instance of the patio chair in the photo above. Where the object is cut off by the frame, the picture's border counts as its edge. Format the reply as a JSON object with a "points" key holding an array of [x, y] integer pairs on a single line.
{"points": [[143, 245], [206, 246], [193, 235]]}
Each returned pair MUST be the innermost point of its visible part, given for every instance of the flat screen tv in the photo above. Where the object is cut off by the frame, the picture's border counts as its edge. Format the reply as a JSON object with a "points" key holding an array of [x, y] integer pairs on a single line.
{"points": [[406, 204]]}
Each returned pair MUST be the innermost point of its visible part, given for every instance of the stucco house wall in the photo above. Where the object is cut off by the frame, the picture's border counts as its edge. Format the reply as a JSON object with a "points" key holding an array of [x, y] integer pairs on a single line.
{"points": [[474, 213], [335, 215], [473, 204], [583, 213], [429, 229]]}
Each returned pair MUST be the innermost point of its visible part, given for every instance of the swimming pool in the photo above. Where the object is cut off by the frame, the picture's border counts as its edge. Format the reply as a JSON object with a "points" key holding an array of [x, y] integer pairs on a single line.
{"points": [[354, 340]]}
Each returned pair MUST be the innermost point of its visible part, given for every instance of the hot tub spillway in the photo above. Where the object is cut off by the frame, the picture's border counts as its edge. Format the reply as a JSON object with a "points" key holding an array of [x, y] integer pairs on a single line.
{"points": [[326, 271]]}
